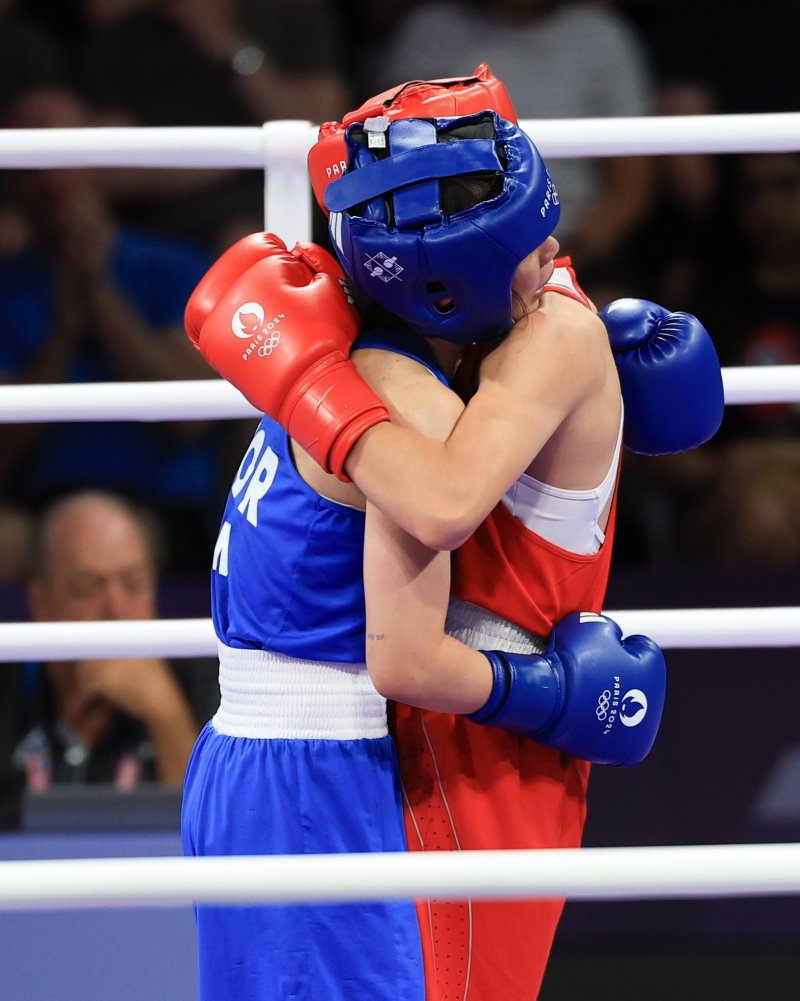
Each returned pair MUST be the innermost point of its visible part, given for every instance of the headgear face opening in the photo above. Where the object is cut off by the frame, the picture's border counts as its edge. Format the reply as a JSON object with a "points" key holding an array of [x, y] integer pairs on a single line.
{"points": [[433, 216]]}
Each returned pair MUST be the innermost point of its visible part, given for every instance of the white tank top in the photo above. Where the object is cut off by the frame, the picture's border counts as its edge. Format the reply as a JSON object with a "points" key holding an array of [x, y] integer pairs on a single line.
{"points": [[567, 518]]}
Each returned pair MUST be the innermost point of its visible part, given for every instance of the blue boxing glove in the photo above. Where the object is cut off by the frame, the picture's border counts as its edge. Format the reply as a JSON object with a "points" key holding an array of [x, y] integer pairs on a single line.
{"points": [[670, 376], [591, 694]]}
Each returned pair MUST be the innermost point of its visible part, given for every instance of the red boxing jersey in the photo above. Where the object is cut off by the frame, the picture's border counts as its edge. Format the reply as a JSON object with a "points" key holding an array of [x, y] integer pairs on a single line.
{"points": [[474, 787]]}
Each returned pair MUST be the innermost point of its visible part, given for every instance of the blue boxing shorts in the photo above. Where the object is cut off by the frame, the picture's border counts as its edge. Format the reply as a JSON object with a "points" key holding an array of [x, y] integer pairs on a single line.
{"points": [[279, 795]]}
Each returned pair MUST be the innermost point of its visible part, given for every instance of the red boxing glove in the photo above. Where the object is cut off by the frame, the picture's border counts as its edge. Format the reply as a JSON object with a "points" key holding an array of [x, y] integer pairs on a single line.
{"points": [[448, 98], [278, 325]]}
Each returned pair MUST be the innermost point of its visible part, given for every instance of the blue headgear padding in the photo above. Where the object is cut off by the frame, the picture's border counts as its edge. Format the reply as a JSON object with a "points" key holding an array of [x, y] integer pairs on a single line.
{"points": [[447, 275]]}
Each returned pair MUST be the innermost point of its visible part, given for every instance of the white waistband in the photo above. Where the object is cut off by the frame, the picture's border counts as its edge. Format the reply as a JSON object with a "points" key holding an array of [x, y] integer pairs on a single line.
{"points": [[483, 630], [266, 694]]}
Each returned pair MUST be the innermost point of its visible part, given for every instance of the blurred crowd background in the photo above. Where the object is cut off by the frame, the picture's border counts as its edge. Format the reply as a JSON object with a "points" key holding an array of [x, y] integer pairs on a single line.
{"points": [[96, 265]]}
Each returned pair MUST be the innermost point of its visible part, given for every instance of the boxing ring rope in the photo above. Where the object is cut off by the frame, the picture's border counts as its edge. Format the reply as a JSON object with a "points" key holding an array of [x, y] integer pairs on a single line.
{"points": [[249, 146], [579, 874], [214, 399], [279, 149], [672, 629]]}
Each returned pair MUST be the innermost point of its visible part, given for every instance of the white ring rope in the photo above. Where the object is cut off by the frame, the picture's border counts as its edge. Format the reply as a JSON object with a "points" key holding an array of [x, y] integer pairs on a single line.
{"points": [[580, 874], [185, 147], [86, 640], [280, 148], [761, 384], [213, 399], [223, 146], [681, 628], [192, 399]]}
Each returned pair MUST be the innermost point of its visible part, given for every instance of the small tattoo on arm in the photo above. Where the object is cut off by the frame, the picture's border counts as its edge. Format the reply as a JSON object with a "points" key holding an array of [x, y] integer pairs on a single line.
{"points": [[376, 636]]}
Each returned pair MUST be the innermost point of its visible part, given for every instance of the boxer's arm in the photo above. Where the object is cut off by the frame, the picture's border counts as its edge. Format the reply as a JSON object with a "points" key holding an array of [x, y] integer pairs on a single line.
{"points": [[670, 381], [440, 492], [409, 657], [556, 698], [552, 697], [406, 584], [592, 694], [302, 378]]}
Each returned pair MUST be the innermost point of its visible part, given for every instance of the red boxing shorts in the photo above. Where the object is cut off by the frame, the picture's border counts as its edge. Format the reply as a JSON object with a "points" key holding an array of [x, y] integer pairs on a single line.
{"points": [[471, 787]]}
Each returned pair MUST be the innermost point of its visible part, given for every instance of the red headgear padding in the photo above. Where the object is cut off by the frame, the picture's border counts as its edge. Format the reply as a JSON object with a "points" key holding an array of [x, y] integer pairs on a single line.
{"points": [[456, 97]]}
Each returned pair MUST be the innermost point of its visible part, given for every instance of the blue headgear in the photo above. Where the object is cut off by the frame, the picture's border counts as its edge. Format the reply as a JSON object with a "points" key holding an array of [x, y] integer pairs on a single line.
{"points": [[445, 269]]}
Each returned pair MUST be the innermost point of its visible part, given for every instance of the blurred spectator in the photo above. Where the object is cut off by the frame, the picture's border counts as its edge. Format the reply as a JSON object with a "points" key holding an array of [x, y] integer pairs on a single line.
{"points": [[12, 779], [719, 57], [751, 296], [29, 55], [558, 59], [16, 530], [116, 721], [208, 63], [84, 299], [707, 58], [736, 501], [368, 25]]}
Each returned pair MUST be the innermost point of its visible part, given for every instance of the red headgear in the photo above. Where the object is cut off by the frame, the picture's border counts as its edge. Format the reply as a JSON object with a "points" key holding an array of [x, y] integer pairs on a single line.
{"points": [[449, 98]]}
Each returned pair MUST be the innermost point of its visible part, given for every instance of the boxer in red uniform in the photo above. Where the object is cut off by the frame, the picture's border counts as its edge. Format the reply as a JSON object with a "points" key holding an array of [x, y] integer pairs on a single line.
{"points": [[509, 770], [478, 787]]}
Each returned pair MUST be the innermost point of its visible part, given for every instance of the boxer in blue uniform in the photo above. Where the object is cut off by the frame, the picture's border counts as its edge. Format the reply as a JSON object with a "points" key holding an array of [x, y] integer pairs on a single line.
{"points": [[298, 759]]}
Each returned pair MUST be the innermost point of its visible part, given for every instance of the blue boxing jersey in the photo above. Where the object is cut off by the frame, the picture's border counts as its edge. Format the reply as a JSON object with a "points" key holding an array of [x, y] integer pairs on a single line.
{"points": [[287, 573]]}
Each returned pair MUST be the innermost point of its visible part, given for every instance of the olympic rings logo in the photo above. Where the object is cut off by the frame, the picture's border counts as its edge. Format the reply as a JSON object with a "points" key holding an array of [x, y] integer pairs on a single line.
{"points": [[266, 349], [250, 323], [603, 705]]}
